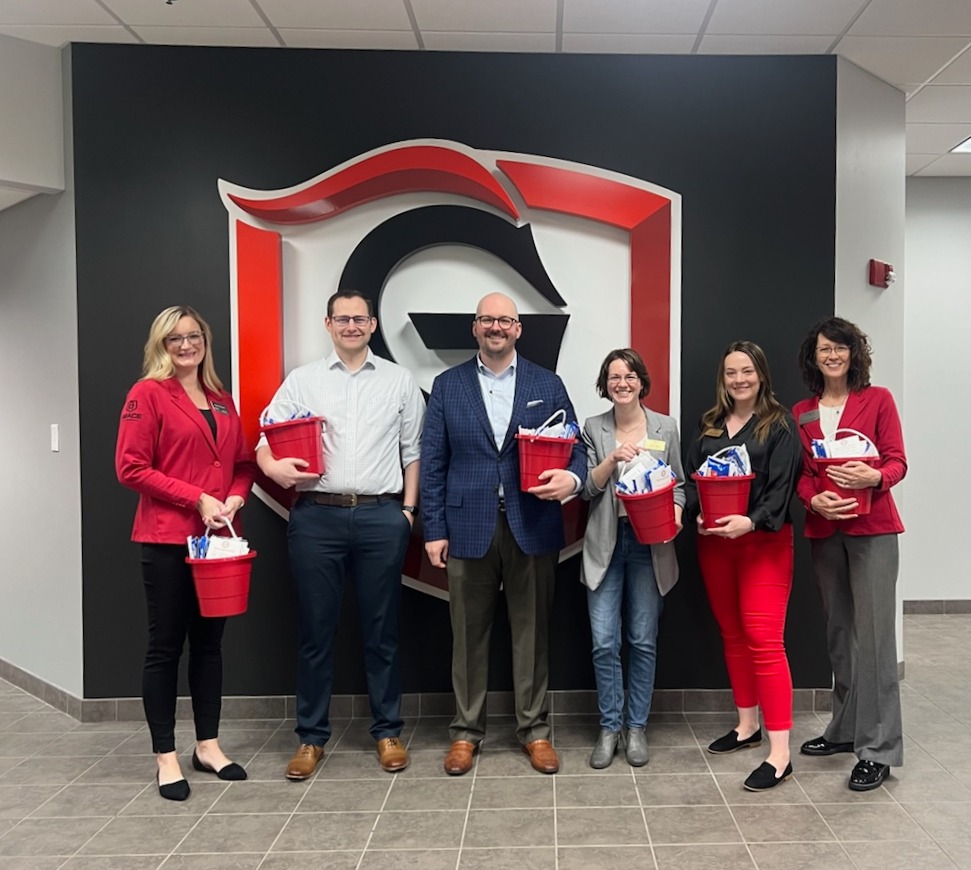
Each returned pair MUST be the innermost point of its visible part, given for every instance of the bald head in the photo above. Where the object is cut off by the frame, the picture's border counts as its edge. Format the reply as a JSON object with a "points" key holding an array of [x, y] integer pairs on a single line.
{"points": [[498, 305], [497, 342]]}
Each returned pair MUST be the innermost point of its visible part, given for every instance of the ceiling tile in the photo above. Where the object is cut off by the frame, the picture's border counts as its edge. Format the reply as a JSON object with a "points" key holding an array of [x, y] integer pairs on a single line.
{"points": [[49, 12], [59, 35], [942, 104], [495, 16], [624, 17], [186, 13], [958, 72], [369, 39], [935, 138], [253, 37], [919, 161], [337, 14], [540, 42], [899, 60], [948, 164], [914, 18], [761, 44], [628, 43], [772, 17]]}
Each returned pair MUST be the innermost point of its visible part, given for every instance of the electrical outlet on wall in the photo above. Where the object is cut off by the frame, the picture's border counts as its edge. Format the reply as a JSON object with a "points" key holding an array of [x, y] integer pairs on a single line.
{"points": [[55, 438]]}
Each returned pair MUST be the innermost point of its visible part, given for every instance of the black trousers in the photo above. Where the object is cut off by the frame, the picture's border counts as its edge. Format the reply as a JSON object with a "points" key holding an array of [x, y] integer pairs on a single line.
{"points": [[173, 615]]}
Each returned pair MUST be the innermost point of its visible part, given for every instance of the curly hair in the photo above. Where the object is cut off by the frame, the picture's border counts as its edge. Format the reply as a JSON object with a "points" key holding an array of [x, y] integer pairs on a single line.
{"points": [[838, 331]]}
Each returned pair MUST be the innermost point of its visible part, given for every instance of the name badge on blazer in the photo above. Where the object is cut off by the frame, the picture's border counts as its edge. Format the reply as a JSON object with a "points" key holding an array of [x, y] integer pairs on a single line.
{"points": [[654, 444], [222, 409], [712, 432], [808, 417]]}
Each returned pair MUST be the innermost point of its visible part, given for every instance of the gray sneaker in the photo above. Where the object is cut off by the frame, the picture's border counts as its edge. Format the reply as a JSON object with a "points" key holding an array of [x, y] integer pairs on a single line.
{"points": [[636, 747], [604, 749]]}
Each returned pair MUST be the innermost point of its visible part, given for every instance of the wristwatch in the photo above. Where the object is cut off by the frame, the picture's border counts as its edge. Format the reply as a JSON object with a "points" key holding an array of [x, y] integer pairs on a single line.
{"points": [[410, 508]]}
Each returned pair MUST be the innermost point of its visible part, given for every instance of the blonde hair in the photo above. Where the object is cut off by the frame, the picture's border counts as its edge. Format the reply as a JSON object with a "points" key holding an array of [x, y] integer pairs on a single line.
{"points": [[768, 410], [157, 364]]}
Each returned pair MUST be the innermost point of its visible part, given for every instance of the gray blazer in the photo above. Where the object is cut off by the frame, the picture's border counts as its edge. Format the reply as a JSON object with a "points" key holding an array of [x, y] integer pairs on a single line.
{"points": [[601, 535]]}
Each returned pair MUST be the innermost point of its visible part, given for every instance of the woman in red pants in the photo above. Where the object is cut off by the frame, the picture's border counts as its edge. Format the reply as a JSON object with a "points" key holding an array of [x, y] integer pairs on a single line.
{"points": [[746, 561]]}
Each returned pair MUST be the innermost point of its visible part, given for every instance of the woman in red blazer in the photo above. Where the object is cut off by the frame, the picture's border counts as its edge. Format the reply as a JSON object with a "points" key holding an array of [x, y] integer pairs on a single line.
{"points": [[181, 448], [855, 557]]}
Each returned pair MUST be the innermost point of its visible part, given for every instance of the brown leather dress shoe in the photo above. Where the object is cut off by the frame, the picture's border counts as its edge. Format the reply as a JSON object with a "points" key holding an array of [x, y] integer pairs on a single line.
{"points": [[392, 755], [459, 757], [304, 762], [542, 756]]}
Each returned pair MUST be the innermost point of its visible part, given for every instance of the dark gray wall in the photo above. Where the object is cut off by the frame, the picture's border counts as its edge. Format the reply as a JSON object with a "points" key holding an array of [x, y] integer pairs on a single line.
{"points": [[749, 142]]}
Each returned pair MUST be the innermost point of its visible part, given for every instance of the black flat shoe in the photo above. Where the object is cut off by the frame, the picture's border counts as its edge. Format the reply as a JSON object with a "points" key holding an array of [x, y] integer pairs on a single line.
{"points": [[822, 746], [766, 776], [731, 743], [232, 771], [868, 775], [174, 791]]}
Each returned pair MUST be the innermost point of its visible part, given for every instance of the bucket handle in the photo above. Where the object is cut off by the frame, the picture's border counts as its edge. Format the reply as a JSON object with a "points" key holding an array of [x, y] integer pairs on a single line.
{"points": [[561, 414], [723, 450], [294, 402], [229, 525]]}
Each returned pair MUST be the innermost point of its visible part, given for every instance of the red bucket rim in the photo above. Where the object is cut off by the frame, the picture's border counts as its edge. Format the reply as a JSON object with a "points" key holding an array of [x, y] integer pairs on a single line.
{"points": [[637, 496], [842, 460], [696, 476], [230, 559], [546, 438], [284, 424]]}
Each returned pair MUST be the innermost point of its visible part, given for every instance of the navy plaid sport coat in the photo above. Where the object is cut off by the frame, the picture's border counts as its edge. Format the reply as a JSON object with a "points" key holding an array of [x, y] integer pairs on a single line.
{"points": [[461, 468]]}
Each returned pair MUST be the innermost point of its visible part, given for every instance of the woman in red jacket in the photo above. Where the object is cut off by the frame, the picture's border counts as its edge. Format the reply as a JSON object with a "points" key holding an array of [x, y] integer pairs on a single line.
{"points": [[855, 557], [180, 447]]}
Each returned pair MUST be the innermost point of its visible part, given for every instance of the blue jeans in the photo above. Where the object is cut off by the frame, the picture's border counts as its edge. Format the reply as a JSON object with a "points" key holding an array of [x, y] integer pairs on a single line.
{"points": [[628, 584]]}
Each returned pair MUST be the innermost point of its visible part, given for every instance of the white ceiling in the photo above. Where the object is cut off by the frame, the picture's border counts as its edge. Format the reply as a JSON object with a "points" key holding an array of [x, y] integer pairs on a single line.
{"points": [[920, 46]]}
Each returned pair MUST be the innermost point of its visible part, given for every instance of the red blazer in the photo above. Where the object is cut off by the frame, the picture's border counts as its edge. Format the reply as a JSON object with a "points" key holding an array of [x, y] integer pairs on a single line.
{"points": [[871, 411], [166, 453]]}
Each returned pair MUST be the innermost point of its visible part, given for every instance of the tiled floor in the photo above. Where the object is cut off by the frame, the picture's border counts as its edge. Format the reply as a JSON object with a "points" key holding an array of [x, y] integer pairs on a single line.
{"points": [[82, 796]]}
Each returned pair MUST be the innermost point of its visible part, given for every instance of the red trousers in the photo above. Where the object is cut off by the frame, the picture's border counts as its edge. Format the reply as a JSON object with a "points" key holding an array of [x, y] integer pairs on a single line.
{"points": [[748, 582]]}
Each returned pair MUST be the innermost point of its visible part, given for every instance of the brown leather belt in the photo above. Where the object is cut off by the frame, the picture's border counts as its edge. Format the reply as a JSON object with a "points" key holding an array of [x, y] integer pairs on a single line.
{"points": [[347, 499]]}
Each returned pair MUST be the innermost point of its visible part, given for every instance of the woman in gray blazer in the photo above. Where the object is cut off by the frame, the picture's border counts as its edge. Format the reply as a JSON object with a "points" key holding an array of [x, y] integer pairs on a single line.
{"points": [[620, 573]]}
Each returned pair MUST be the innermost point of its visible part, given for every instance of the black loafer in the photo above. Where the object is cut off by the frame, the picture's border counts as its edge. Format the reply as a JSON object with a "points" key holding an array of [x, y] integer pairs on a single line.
{"points": [[822, 746], [766, 776], [868, 775], [232, 772], [731, 743]]}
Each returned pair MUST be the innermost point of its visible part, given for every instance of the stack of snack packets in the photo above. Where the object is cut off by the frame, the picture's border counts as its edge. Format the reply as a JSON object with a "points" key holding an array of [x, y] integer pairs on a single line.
{"points": [[644, 473], [730, 462], [852, 447]]}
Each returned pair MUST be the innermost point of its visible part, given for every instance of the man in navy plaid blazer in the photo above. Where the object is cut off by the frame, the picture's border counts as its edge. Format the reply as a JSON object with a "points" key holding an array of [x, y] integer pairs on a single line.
{"points": [[487, 533]]}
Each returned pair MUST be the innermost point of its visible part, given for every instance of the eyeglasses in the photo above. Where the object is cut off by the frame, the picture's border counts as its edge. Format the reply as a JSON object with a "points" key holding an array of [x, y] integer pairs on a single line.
{"points": [[829, 349], [191, 337], [628, 379], [358, 320], [487, 322]]}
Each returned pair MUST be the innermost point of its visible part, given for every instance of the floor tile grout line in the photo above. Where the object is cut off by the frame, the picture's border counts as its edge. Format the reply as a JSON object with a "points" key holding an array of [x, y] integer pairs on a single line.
{"points": [[301, 799], [468, 806]]}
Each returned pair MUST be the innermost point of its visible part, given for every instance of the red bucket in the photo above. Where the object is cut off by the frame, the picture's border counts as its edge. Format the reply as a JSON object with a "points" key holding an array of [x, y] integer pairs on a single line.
{"points": [[222, 585], [825, 482], [722, 496], [537, 453], [651, 515], [300, 439]]}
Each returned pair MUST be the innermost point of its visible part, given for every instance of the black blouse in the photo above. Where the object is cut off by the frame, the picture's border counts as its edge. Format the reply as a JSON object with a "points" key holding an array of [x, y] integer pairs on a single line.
{"points": [[776, 465]]}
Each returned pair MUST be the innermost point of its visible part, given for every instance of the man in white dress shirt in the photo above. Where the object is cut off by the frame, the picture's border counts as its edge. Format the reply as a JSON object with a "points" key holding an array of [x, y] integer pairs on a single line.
{"points": [[354, 520]]}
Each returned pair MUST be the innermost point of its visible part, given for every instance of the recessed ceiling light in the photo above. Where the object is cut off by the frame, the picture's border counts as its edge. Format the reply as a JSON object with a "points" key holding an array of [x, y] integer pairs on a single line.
{"points": [[963, 148]]}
